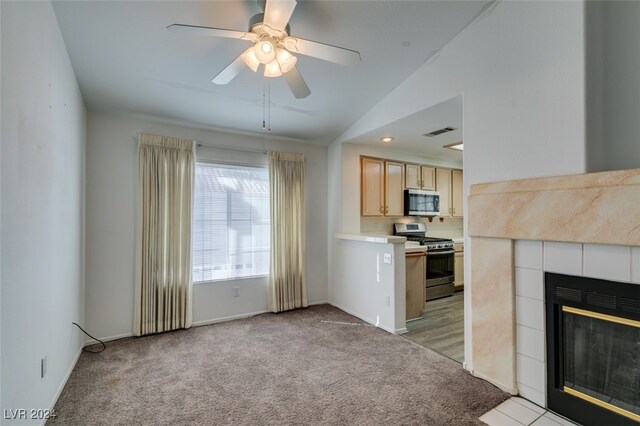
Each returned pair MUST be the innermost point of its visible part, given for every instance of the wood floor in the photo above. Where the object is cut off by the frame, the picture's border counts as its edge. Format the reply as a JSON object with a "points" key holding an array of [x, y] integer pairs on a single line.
{"points": [[442, 327]]}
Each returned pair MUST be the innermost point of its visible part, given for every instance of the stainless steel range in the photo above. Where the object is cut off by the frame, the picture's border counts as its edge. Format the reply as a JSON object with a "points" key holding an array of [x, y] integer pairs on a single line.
{"points": [[439, 275]]}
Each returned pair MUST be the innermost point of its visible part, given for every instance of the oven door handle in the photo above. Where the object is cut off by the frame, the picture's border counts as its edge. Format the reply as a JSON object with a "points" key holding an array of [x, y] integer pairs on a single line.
{"points": [[434, 253]]}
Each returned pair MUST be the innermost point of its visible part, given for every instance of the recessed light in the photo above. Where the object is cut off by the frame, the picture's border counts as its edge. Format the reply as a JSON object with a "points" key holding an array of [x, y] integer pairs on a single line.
{"points": [[458, 146], [386, 139]]}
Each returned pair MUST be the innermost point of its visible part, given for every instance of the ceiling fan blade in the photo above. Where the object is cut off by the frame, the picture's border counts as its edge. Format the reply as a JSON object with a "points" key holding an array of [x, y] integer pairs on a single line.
{"points": [[229, 73], [296, 83], [206, 31], [326, 52], [278, 12]]}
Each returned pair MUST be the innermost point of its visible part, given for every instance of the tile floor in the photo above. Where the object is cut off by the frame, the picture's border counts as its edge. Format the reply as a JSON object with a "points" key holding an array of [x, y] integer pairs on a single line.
{"points": [[518, 411]]}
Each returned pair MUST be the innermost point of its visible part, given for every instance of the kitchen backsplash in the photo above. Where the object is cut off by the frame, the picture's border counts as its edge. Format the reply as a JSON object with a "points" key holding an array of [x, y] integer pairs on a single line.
{"points": [[450, 227]]}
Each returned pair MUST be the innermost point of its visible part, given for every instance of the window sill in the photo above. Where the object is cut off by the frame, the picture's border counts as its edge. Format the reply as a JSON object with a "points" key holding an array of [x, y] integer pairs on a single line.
{"points": [[225, 280]]}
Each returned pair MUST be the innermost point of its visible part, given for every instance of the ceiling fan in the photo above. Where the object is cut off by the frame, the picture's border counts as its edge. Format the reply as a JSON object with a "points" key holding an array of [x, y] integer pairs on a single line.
{"points": [[273, 47]]}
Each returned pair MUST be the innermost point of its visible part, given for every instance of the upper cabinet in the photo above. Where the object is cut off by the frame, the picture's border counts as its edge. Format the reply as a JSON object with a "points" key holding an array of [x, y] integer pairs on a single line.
{"points": [[382, 183], [372, 187], [456, 193], [394, 185], [449, 185], [420, 177]]}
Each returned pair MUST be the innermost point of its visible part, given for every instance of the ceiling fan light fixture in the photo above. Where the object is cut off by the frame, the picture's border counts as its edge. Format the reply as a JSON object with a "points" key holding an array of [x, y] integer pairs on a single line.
{"points": [[250, 59], [272, 69], [286, 60], [265, 51]]}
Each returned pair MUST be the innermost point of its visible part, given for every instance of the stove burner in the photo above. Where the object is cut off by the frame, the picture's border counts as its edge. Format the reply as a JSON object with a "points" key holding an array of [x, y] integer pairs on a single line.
{"points": [[417, 232]]}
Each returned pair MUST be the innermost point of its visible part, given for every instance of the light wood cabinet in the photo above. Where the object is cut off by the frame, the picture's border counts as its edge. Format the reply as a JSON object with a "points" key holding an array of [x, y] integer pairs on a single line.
{"points": [[428, 177], [415, 269], [393, 189], [382, 185], [372, 186], [412, 176], [419, 177], [443, 186], [458, 266], [449, 185], [456, 193]]}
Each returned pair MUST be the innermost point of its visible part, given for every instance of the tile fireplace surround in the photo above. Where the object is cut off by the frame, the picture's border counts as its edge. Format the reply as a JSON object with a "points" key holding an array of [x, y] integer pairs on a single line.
{"points": [[585, 225]]}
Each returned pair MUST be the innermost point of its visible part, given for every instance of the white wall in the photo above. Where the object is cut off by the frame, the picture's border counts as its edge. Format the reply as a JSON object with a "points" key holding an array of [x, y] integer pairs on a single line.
{"points": [[521, 69], [613, 85], [43, 143], [367, 287], [111, 224]]}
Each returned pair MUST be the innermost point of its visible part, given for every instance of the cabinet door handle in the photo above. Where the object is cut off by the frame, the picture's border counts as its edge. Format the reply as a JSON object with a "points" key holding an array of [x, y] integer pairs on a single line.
{"points": [[386, 209], [381, 209]]}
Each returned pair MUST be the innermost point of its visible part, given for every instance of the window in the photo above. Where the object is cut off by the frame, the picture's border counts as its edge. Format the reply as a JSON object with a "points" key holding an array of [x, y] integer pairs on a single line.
{"points": [[230, 222]]}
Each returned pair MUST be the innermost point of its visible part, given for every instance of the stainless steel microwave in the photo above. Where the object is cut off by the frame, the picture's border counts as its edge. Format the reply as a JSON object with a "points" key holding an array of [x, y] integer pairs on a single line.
{"points": [[418, 202]]}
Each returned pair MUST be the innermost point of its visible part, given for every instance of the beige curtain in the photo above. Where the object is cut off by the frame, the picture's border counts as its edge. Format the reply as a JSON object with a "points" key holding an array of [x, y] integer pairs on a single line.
{"points": [[166, 168], [287, 287]]}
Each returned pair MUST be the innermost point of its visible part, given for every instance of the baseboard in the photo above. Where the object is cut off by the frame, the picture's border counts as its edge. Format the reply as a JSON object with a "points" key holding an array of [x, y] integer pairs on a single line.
{"points": [[322, 302], [229, 318], [62, 385], [107, 339]]}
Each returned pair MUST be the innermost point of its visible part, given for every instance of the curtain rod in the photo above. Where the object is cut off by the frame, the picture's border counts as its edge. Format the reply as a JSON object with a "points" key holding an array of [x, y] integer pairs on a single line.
{"points": [[231, 148]]}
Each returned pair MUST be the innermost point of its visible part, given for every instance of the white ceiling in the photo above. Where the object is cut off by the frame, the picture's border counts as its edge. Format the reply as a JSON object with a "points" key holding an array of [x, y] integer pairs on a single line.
{"points": [[408, 132], [126, 61]]}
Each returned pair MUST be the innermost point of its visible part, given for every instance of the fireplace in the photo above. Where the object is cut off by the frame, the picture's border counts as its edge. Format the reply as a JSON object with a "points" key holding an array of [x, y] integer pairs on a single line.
{"points": [[593, 349]]}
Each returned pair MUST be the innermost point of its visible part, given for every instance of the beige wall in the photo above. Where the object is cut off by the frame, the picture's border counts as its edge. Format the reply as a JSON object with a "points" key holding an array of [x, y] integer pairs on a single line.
{"points": [[111, 224]]}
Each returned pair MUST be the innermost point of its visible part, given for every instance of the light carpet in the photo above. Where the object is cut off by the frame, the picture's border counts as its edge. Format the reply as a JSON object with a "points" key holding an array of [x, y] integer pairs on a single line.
{"points": [[310, 366]]}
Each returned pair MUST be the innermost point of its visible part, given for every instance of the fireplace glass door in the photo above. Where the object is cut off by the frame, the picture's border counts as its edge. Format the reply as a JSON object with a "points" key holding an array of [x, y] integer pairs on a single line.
{"points": [[602, 359], [593, 349]]}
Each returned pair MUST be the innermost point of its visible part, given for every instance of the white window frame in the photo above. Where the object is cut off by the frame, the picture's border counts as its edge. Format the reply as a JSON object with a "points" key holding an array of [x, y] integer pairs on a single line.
{"points": [[229, 164]]}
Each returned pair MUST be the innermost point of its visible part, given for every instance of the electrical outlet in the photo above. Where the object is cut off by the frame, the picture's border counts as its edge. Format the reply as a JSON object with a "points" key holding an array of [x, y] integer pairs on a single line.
{"points": [[387, 258], [236, 292], [43, 367]]}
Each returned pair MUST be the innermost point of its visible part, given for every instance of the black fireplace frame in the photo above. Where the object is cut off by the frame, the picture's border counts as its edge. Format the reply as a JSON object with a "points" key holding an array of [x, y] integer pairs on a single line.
{"points": [[618, 299]]}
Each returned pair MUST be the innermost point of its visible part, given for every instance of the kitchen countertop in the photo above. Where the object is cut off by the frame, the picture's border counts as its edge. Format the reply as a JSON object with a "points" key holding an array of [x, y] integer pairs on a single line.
{"points": [[415, 249], [372, 238]]}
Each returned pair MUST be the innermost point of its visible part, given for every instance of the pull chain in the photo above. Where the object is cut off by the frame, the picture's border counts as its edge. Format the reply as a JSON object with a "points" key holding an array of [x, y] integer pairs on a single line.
{"points": [[264, 126], [269, 106]]}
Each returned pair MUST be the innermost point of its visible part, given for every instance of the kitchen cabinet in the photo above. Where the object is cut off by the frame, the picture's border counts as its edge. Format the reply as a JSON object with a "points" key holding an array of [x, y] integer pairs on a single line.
{"points": [[449, 185], [458, 266], [372, 186], [394, 189], [420, 177], [415, 264], [382, 184], [456, 193]]}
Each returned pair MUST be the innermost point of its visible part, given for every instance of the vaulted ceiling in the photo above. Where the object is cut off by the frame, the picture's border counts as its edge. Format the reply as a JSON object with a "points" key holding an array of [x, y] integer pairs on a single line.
{"points": [[125, 60]]}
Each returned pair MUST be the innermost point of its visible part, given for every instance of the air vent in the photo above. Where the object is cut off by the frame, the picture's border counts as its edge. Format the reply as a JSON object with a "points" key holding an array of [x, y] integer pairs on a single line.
{"points": [[439, 132], [602, 300], [630, 305], [572, 294]]}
